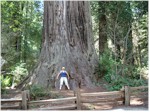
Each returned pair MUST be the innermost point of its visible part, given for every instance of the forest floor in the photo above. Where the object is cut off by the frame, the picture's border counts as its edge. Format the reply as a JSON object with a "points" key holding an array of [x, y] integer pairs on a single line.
{"points": [[135, 104]]}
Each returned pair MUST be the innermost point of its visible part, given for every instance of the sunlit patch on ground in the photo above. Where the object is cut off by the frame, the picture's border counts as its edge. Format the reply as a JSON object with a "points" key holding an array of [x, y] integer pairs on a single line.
{"points": [[136, 101], [103, 107]]}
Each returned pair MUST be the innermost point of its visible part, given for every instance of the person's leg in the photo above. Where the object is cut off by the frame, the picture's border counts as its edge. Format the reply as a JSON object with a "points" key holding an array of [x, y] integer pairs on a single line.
{"points": [[66, 82], [61, 83]]}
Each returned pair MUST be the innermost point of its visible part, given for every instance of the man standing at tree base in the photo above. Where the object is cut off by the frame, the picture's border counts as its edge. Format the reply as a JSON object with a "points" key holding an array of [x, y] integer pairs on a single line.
{"points": [[63, 78]]}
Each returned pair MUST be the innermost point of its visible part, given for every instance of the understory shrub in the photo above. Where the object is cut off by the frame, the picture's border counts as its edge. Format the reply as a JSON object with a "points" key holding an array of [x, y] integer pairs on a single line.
{"points": [[117, 74], [39, 91]]}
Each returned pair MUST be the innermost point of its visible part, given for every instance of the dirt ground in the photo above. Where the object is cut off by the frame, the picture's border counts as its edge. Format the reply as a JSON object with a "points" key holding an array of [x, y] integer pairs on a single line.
{"points": [[135, 104]]}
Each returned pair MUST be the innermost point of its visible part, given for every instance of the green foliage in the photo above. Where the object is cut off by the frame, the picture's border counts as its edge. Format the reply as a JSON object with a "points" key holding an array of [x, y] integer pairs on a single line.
{"points": [[38, 91], [19, 72], [106, 65], [5, 81], [21, 31], [141, 29], [21, 23], [122, 81], [117, 74], [126, 61], [117, 81]]}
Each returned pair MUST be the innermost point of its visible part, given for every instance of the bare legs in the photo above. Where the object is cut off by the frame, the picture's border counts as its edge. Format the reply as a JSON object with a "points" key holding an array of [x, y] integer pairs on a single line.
{"points": [[64, 79]]}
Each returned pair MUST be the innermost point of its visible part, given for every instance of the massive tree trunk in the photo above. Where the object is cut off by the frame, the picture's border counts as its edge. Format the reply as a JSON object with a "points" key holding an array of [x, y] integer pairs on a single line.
{"points": [[67, 41]]}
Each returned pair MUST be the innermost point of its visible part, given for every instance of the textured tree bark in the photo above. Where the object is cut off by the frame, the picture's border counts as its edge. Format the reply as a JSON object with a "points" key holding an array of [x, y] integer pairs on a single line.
{"points": [[67, 41]]}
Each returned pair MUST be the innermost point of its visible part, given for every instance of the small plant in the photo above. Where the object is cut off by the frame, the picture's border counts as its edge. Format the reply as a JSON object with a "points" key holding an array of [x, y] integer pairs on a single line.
{"points": [[105, 66], [19, 72], [5, 81], [37, 91]]}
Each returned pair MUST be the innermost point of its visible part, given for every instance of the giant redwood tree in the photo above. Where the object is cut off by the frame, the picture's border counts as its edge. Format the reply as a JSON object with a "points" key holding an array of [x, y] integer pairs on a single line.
{"points": [[67, 41]]}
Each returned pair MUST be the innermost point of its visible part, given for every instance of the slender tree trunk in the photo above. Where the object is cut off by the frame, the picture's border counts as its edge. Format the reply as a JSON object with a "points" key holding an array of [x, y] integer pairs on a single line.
{"points": [[67, 41], [26, 33], [129, 53], [129, 57], [18, 47], [102, 28], [18, 34], [139, 56]]}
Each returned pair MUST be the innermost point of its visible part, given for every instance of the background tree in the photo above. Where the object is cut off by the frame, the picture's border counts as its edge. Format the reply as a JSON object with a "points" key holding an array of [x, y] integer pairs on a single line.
{"points": [[99, 16], [100, 29]]}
